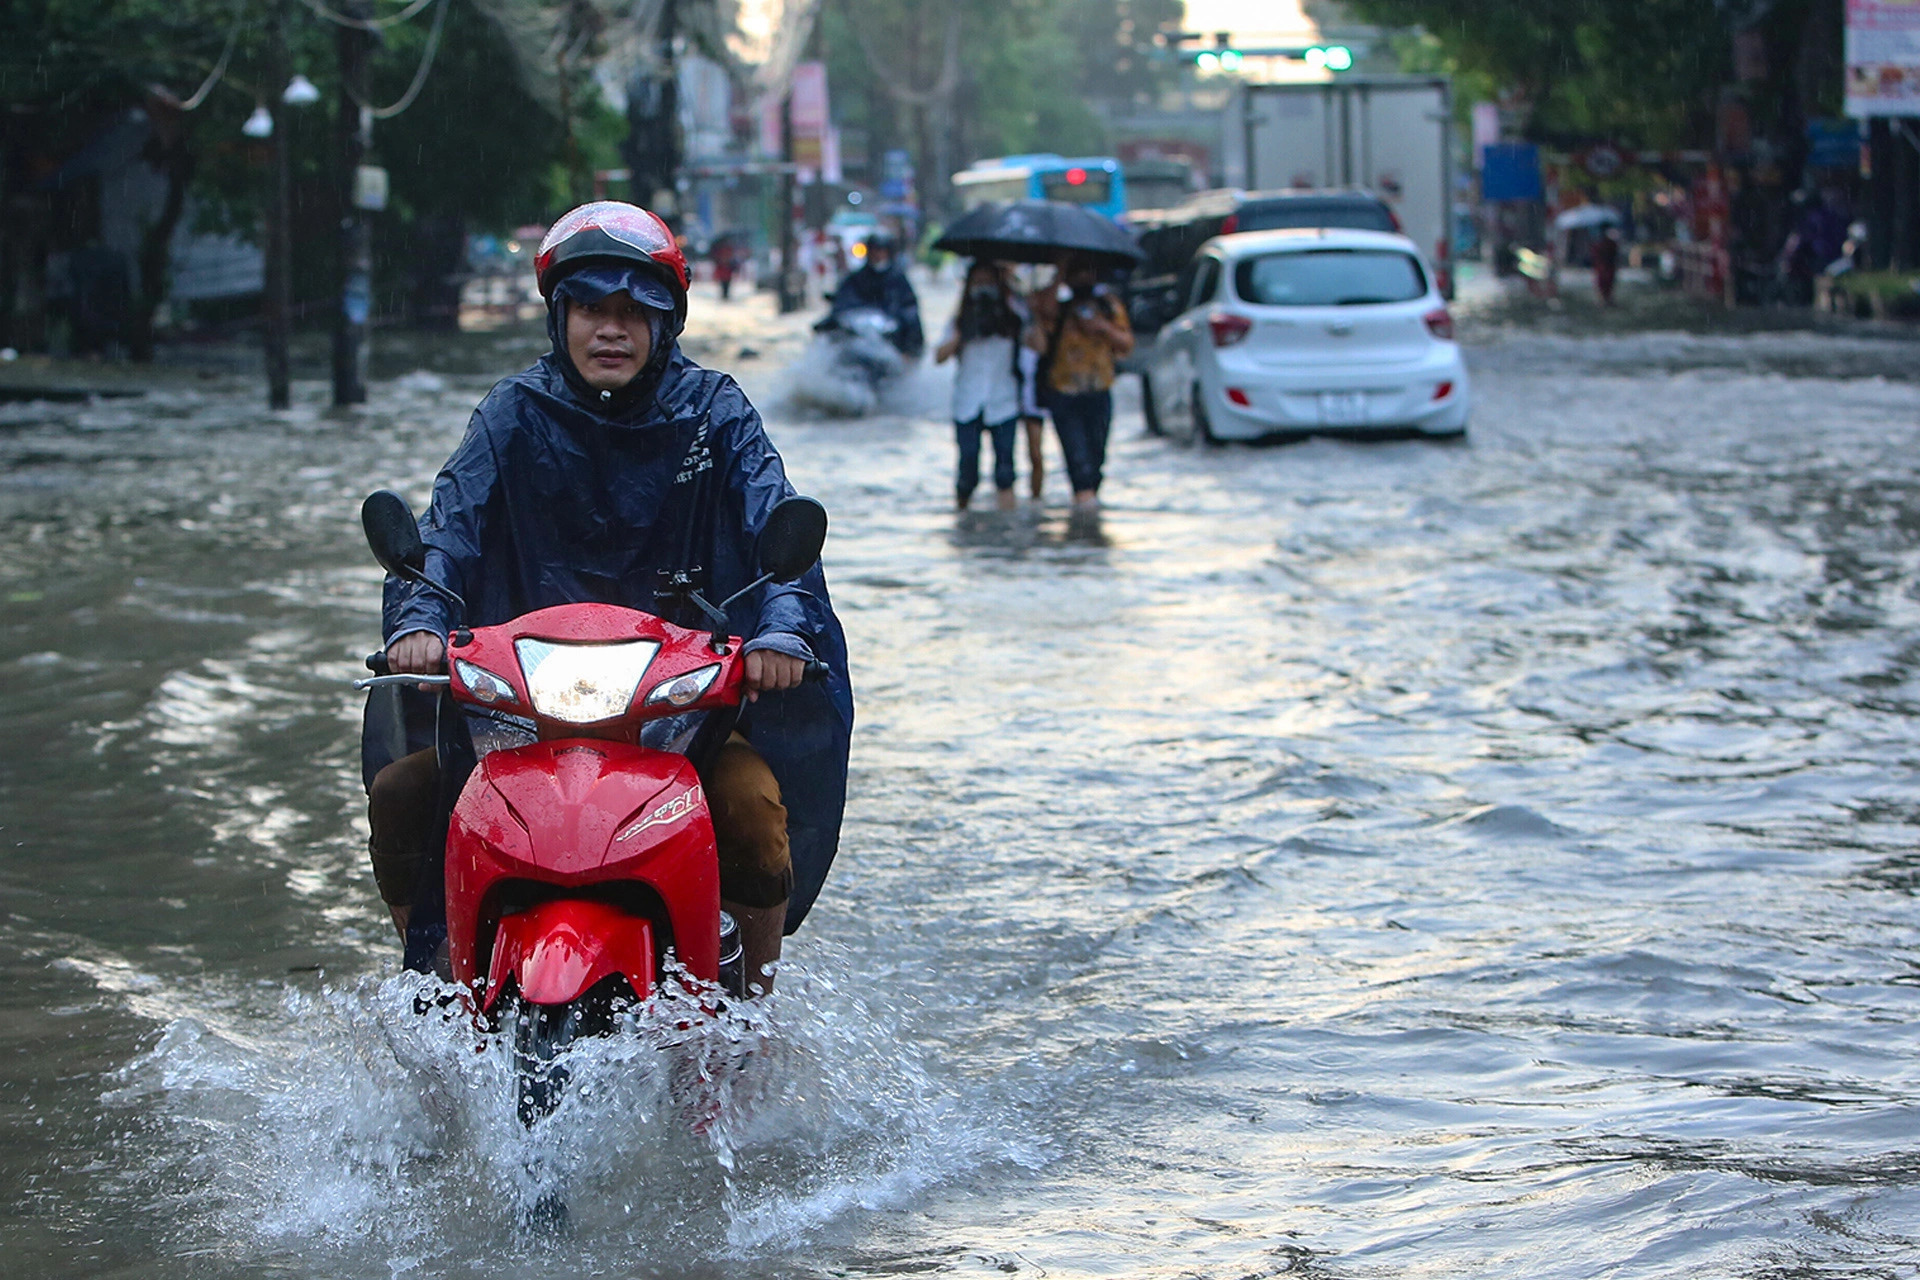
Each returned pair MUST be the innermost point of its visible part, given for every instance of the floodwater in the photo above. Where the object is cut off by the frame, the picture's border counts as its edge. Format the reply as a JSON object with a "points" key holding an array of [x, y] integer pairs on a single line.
{"points": [[1353, 860]]}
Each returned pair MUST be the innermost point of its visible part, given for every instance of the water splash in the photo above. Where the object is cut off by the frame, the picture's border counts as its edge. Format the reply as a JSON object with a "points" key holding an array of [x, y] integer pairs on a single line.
{"points": [[347, 1124]]}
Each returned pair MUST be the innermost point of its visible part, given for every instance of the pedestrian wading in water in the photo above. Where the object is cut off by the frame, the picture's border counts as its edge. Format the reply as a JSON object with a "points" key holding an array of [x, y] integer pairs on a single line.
{"points": [[984, 335], [1079, 328]]}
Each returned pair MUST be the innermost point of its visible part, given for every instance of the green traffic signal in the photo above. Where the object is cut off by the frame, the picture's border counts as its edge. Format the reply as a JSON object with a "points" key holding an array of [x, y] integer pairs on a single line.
{"points": [[1331, 57]]}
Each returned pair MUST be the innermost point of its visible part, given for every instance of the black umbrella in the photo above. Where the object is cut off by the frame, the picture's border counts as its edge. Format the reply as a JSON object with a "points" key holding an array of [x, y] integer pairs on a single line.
{"points": [[1038, 231]]}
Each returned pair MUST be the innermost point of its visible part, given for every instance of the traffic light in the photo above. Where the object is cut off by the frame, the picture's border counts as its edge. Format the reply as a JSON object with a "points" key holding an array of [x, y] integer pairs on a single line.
{"points": [[1334, 57], [1329, 57], [1218, 60]]}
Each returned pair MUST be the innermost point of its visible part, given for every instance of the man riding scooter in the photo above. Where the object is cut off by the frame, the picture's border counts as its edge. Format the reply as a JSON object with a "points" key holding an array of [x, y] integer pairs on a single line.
{"points": [[617, 471], [880, 283]]}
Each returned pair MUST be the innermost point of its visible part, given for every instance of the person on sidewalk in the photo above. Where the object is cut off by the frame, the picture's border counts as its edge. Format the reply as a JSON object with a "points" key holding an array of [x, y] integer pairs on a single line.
{"points": [[1606, 263], [1080, 329], [985, 335], [725, 263]]}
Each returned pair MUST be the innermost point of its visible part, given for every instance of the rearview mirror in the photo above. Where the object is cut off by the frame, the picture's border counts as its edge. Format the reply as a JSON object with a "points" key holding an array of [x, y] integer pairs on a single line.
{"points": [[791, 540], [393, 533]]}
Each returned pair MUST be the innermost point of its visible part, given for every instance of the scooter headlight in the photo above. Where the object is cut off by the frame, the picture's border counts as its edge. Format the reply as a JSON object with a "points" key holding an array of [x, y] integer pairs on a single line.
{"points": [[583, 683], [483, 684], [684, 691]]}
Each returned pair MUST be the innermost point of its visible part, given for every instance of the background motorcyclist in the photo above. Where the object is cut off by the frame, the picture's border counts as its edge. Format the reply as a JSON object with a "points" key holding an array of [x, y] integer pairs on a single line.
{"points": [[1818, 239], [880, 282], [612, 465]]}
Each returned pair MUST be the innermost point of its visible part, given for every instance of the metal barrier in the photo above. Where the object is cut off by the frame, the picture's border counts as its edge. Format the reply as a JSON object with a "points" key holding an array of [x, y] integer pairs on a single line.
{"points": [[1706, 271]]}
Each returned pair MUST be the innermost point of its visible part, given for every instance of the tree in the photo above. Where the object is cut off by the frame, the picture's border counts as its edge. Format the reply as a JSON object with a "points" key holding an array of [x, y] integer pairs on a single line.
{"points": [[477, 148], [952, 83], [1646, 72], [75, 72]]}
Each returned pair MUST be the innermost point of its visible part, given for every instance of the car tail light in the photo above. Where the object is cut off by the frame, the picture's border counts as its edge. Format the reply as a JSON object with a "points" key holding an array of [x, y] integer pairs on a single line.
{"points": [[1439, 323], [1442, 391], [1239, 397], [1228, 328], [1399, 229], [1230, 224]]}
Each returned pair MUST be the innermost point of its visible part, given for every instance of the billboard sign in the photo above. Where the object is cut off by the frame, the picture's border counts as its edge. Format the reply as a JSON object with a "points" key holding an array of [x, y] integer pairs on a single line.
{"points": [[1883, 58], [809, 110], [1510, 171], [1833, 144]]}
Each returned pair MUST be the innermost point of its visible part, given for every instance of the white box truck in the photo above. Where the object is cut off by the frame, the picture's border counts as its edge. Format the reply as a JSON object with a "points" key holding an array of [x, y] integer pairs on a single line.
{"points": [[1390, 135]]}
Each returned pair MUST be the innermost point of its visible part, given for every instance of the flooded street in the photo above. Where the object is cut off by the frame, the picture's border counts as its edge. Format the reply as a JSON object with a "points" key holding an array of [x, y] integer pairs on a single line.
{"points": [[1357, 860]]}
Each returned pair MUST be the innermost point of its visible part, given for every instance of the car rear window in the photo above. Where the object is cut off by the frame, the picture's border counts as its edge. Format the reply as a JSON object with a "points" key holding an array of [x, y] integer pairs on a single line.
{"points": [[1330, 278], [1350, 215]]}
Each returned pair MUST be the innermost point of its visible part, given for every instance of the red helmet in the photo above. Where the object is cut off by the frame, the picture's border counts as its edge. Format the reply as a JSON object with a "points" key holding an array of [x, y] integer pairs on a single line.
{"points": [[612, 231]]}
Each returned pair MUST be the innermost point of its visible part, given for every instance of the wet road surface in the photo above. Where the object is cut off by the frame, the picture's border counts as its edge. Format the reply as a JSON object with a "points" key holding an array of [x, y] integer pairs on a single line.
{"points": [[1350, 860]]}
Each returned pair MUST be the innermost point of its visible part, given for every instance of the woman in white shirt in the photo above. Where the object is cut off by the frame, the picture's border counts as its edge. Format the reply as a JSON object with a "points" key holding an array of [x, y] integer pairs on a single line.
{"points": [[985, 334]]}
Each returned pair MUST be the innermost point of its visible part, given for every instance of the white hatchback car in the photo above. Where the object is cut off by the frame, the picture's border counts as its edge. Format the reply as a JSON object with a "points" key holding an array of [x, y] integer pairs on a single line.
{"points": [[1291, 332]]}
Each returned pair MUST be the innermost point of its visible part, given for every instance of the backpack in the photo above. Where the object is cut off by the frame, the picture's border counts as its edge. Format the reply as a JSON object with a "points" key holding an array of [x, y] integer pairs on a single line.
{"points": [[1043, 371]]}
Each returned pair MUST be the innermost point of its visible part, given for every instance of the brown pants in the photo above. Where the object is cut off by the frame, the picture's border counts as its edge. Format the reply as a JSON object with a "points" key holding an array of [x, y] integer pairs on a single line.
{"points": [[749, 825]]}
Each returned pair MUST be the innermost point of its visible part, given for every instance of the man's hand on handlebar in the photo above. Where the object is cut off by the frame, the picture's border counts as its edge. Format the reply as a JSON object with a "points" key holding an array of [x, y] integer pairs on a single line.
{"points": [[770, 671], [418, 653]]}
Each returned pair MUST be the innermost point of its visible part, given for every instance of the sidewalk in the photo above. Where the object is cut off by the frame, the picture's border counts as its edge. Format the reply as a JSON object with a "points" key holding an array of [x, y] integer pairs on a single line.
{"points": [[1485, 304]]}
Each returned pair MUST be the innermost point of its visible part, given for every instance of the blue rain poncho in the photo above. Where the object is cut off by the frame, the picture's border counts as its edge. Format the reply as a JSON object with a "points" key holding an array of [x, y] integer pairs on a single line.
{"points": [[890, 291]]}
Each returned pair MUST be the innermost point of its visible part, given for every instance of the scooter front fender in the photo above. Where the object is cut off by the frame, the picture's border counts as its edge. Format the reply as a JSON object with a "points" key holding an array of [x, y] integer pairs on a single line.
{"points": [[555, 952]]}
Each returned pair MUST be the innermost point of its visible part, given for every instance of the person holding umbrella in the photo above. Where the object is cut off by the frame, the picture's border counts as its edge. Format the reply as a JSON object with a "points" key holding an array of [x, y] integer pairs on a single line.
{"points": [[985, 334], [1079, 329]]}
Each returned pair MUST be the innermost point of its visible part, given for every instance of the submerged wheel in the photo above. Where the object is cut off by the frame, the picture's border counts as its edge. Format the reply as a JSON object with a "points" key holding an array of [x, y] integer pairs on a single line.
{"points": [[1202, 425], [1148, 409], [542, 1032]]}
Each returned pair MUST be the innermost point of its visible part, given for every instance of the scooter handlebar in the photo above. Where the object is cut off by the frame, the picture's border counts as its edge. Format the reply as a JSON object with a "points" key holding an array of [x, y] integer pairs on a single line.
{"points": [[383, 674], [381, 682]]}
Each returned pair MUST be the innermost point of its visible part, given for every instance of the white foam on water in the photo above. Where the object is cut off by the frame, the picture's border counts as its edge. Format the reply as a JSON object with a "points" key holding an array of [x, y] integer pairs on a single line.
{"points": [[344, 1129], [817, 383]]}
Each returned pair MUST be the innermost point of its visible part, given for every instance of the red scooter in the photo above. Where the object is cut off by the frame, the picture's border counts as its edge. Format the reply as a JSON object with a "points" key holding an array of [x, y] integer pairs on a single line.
{"points": [[580, 868]]}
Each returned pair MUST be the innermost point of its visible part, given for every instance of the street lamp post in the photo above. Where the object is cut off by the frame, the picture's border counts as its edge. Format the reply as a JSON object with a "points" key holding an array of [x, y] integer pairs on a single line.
{"points": [[278, 320], [793, 284], [353, 127]]}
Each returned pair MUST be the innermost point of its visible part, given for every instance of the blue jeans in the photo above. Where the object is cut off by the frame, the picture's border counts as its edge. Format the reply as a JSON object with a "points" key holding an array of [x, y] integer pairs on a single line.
{"points": [[1082, 421], [967, 436]]}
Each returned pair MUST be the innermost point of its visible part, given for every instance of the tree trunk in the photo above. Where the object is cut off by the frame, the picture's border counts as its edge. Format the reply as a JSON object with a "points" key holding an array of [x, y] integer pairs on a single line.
{"points": [[439, 244], [168, 152]]}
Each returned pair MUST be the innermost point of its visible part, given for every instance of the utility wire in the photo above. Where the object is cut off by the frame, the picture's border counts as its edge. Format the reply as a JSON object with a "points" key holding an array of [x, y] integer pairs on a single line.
{"points": [[367, 24], [419, 76], [219, 68]]}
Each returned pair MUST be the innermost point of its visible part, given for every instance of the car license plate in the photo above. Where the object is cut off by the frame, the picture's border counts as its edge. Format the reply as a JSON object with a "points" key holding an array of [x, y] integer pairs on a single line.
{"points": [[1343, 408]]}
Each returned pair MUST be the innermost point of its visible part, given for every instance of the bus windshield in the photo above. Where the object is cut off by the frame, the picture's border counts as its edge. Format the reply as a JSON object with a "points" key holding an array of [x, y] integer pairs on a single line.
{"points": [[976, 189], [1094, 182]]}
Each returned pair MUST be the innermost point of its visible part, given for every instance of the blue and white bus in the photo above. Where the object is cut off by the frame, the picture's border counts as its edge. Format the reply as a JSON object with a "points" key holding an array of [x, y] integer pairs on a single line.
{"points": [[1097, 182]]}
